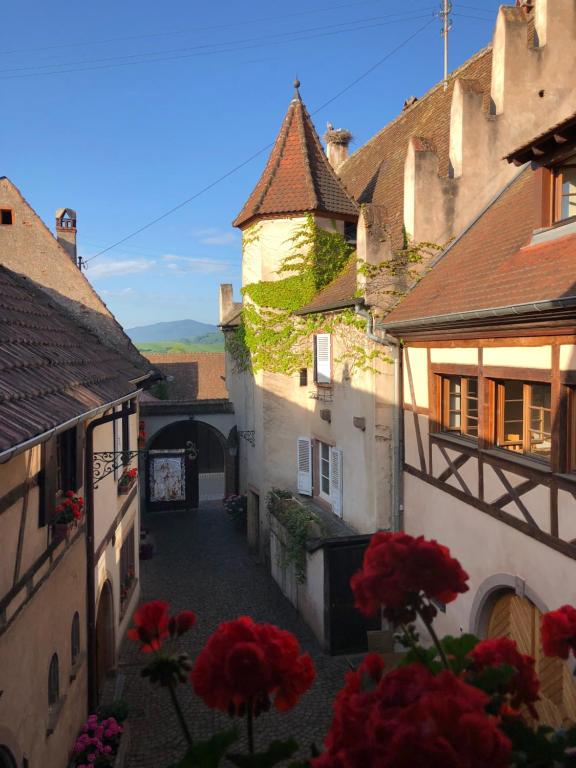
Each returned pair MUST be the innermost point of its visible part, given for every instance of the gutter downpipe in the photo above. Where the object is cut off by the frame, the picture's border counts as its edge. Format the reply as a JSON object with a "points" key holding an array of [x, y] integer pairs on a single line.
{"points": [[90, 551], [397, 426]]}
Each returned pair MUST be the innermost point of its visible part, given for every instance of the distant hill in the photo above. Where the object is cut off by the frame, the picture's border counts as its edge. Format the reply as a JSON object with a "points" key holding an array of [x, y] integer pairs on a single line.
{"points": [[176, 330]]}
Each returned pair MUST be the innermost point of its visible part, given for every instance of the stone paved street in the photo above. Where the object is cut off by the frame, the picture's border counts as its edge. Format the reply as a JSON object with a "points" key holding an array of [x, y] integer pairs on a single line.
{"points": [[202, 563]]}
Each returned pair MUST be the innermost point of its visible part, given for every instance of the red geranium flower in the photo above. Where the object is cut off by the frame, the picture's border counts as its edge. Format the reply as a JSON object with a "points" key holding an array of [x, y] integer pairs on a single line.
{"points": [[559, 632], [151, 625], [181, 623], [400, 570], [410, 717], [524, 685], [245, 664]]}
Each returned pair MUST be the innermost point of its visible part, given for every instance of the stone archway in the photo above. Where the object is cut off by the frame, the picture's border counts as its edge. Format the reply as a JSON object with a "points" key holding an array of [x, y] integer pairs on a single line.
{"points": [[208, 477], [105, 641]]}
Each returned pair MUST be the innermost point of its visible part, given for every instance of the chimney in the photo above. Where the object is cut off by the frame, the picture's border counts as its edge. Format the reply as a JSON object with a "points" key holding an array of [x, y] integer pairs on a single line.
{"points": [[66, 231], [337, 141]]}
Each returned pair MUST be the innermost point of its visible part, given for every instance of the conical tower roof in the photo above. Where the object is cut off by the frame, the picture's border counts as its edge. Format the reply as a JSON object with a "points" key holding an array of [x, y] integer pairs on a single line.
{"points": [[298, 177]]}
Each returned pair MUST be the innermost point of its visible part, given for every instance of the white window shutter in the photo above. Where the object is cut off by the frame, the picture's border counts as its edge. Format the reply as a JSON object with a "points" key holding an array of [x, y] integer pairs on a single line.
{"points": [[323, 358], [336, 480], [304, 460]]}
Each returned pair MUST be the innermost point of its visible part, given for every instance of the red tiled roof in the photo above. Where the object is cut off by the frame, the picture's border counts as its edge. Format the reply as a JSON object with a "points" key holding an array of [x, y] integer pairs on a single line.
{"points": [[493, 264], [375, 172], [339, 293], [196, 375], [298, 177], [52, 369]]}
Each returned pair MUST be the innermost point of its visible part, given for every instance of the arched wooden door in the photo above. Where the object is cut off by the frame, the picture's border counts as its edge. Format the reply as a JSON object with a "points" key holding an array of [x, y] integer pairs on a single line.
{"points": [[518, 618], [104, 636]]}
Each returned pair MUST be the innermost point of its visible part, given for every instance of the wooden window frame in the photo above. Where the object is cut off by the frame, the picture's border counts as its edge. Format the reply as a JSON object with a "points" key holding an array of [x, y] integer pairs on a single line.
{"points": [[557, 196], [497, 420], [443, 405], [324, 496]]}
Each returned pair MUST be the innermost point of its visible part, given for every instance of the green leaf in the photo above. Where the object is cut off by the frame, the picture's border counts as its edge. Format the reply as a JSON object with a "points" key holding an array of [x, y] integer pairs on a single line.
{"points": [[208, 754], [457, 650], [276, 753]]}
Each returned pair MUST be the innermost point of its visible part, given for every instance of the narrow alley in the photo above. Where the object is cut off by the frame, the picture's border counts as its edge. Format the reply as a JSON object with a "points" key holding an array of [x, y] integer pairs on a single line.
{"points": [[202, 563]]}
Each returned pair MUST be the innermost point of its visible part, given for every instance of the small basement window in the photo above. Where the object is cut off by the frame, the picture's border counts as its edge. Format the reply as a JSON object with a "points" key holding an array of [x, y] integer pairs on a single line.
{"points": [[5, 216]]}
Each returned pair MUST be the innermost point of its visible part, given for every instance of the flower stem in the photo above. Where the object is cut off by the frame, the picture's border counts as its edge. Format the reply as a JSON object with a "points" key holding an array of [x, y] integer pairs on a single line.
{"points": [[250, 727], [435, 639], [180, 715]]}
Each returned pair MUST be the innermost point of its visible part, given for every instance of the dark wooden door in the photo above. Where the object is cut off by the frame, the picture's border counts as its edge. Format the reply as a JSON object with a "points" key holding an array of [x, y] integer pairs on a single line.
{"points": [[346, 627]]}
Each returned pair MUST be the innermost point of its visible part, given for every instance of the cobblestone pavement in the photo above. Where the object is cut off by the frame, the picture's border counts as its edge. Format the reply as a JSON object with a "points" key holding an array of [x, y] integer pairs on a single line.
{"points": [[202, 563]]}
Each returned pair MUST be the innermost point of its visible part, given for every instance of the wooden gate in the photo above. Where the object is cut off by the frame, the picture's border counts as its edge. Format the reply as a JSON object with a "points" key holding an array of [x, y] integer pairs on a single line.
{"points": [[518, 618], [346, 627], [172, 480]]}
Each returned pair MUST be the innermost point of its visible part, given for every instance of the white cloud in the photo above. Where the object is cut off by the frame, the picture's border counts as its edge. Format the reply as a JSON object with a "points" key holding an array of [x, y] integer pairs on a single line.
{"points": [[214, 236], [116, 268], [191, 264], [121, 293]]}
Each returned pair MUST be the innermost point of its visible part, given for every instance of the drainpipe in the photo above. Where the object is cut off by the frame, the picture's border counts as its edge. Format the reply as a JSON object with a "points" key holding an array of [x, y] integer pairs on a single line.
{"points": [[397, 426], [90, 552]]}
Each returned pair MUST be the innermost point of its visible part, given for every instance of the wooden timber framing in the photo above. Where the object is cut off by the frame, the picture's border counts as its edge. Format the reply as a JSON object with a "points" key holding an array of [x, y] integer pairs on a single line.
{"points": [[516, 473]]}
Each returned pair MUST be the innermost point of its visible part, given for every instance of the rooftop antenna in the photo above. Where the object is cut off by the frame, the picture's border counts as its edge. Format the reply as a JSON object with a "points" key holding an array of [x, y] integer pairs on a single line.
{"points": [[446, 27]]}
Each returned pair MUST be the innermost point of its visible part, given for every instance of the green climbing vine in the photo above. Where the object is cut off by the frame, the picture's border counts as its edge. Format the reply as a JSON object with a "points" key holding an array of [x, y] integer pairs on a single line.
{"points": [[271, 337], [300, 524]]}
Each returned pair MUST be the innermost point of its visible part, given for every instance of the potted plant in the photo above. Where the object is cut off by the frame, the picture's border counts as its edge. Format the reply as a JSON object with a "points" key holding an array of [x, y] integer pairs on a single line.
{"points": [[67, 514], [98, 743], [236, 506], [127, 480]]}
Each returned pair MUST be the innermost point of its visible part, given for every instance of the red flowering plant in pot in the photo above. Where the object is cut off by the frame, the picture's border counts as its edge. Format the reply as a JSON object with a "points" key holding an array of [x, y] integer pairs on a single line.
{"points": [[127, 479], [453, 702], [67, 514]]}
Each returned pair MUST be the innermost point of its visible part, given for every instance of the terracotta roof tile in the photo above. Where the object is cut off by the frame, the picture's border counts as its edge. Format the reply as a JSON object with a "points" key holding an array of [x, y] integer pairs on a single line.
{"points": [[196, 375], [339, 293], [494, 263], [298, 177], [51, 369], [375, 172]]}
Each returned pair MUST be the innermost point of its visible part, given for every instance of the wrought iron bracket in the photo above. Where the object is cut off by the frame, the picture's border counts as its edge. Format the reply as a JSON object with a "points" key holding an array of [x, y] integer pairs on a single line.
{"points": [[248, 435], [106, 462]]}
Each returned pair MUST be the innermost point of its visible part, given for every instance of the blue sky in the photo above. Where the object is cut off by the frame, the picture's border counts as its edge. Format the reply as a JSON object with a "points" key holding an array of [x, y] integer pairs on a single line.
{"points": [[122, 110]]}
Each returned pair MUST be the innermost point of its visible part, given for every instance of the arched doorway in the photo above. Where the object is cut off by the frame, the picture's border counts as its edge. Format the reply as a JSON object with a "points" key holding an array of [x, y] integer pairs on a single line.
{"points": [[177, 478], [105, 653], [518, 618], [6, 758]]}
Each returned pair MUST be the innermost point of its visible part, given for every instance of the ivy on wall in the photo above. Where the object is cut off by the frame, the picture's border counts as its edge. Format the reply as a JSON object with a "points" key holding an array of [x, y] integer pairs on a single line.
{"points": [[270, 337]]}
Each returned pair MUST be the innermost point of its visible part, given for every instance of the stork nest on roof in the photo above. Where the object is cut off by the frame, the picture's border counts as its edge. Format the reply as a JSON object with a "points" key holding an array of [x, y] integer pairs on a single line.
{"points": [[338, 136]]}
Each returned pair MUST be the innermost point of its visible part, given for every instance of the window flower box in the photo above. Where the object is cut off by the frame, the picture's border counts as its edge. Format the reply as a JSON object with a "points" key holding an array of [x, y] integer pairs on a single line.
{"points": [[68, 513], [127, 480]]}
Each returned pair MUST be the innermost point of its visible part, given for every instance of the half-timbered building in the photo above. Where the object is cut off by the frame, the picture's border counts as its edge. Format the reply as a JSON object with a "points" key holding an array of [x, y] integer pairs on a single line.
{"points": [[489, 379]]}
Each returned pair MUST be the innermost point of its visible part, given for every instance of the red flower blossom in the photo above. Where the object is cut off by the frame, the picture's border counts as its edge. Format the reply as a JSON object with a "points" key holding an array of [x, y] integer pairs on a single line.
{"points": [[181, 623], [245, 664], [410, 717], [559, 632], [151, 625], [400, 570], [524, 685]]}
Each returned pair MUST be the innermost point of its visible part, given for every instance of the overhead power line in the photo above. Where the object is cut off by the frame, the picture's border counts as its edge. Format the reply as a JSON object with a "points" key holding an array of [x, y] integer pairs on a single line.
{"points": [[261, 151], [239, 23], [205, 49]]}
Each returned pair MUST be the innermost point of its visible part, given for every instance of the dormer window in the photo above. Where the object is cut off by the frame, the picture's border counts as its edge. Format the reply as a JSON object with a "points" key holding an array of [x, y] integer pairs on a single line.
{"points": [[5, 216], [564, 198]]}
